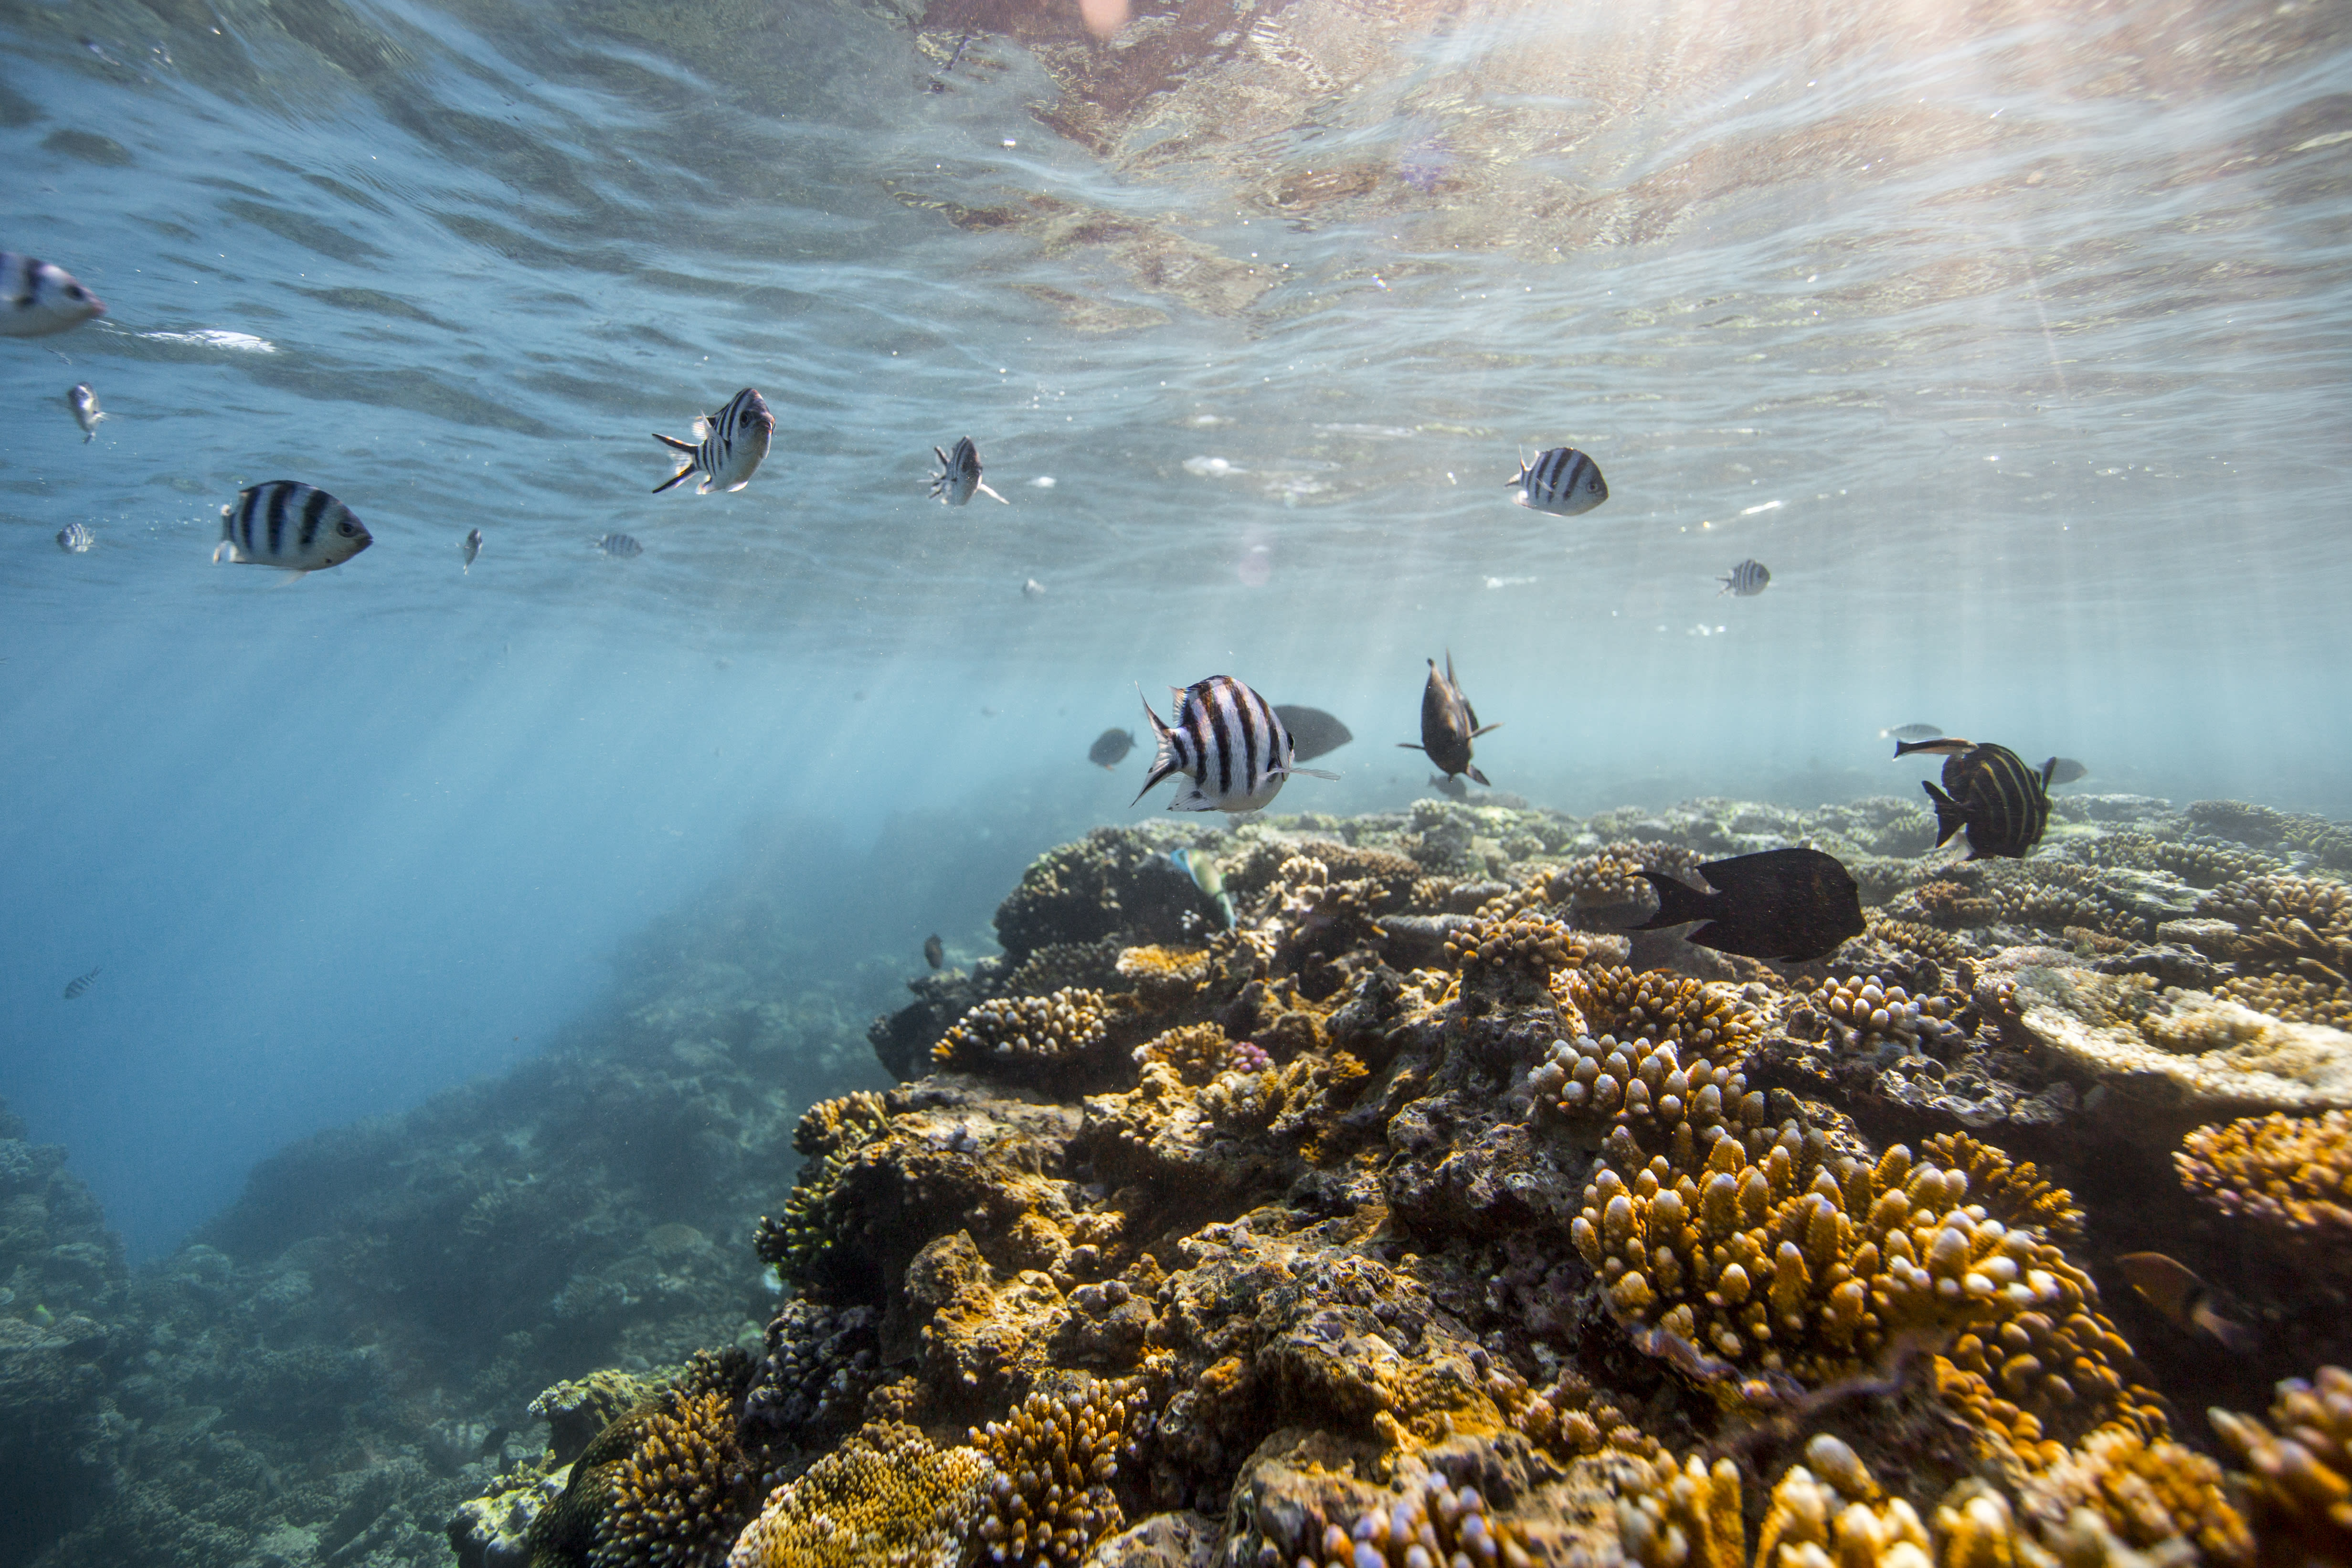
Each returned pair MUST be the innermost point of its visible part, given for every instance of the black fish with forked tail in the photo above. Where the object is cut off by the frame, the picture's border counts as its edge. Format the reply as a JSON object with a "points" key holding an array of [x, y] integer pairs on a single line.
{"points": [[1312, 731], [1786, 906], [1991, 792], [1448, 724]]}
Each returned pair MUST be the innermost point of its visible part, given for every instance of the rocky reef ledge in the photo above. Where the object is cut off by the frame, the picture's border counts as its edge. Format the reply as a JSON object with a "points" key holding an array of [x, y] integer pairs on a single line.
{"points": [[1420, 1218]]}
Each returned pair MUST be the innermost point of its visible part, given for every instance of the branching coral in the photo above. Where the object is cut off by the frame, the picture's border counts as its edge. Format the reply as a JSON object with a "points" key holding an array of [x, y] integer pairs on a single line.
{"points": [[2012, 1192], [1060, 965], [1658, 1007], [812, 1380], [830, 1135], [1197, 1053], [1613, 876], [2148, 1492], [2300, 1488], [2200, 863], [1526, 941], [1027, 1035], [884, 1499], [677, 1500], [2294, 1172], [1648, 1082], [1871, 1011], [1432, 1524], [1055, 1458]]}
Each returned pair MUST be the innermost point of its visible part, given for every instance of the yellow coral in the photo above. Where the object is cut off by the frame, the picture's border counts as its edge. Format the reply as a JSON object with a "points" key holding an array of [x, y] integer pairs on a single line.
{"points": [[1525, 940], [2148, 1492], [1055, 1458], [673, 1501], [1693, 1015], [2290, 1171], [831, 1133], [2300, 1489], [884, 1499], [1195, 1053], [1432, 1523], [1027, 1033]]}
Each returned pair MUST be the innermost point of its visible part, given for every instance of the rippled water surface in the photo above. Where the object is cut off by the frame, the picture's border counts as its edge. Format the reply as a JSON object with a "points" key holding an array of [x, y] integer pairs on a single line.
{"points": [[2012, 337]]}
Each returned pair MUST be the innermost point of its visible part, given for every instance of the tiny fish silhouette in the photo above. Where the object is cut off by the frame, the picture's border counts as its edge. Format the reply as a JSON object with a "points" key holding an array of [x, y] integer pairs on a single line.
{"points": [[79, 984], [1110, 748], [1313, 732], [620, 546], [1746, 580], [935, 952], [2187, 1303], [472, 547], [1911, 732], [85, 411], [1783, 905], [2066, 770]]}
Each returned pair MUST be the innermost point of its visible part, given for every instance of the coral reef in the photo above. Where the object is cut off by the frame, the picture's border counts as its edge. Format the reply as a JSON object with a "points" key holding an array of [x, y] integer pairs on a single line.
{"points": [[2299, 1487], [884, 1499], [2285, 1172]]}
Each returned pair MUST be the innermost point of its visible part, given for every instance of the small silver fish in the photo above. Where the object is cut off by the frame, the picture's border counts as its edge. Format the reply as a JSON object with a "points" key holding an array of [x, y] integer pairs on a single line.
{"points": [[727, 447], [620, 546], [1911, 732], [2065, 770], [81, 982], [1562, 481], [1032, 589], [290, 525], [85, 411], [959, 475], [75, 539], [472, 547], [1747, 580], [38, 300]]}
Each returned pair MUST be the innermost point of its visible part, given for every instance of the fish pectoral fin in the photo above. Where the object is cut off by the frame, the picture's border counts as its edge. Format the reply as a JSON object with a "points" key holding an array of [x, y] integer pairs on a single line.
{"points": [[738, 485], [704, 488], [1480, 777], [1317, 773], [289, 576], [981, 485], [672, 442], [224, 547], [1411, 747], [1191, 797], [1484, 729]]}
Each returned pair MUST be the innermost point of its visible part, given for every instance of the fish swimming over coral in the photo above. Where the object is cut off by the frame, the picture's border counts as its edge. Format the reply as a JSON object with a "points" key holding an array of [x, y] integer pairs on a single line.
{"points": [[1196, 863], [1787, 906], [85, 411], [1562, 481], [1230, 742], [1987, 790], [1448, 724], [2173, 1290], [959, 475], [290, 525], [39, 299], [1312, 731], [935, 952], [82, 982], [727, 447], [1110, 748], [1746, 580]]}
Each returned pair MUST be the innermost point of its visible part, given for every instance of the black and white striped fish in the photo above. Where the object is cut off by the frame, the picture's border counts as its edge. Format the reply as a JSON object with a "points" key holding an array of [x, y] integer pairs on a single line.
{"points": [[1989, 791], [1747, 579], [75, 539], [1229, 742], [38, 298], [472, 547], [1562, 481], [289, 525], [727, 447], [85, 411], [959, 475], [79, 984], [620, 545]]}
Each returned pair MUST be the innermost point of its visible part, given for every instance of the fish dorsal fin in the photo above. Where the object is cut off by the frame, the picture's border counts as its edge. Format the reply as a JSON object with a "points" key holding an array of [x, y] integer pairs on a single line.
{"points": [[702, 427], [2048, 769]]}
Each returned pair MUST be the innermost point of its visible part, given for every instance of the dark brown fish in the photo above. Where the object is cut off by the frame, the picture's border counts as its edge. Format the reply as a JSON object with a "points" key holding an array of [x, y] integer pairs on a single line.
{"points": [[2003, 804], [2187, 1303], [2065, 770], [1313, 732], [1110, 748], [1448, 724], [934, 953], [1783, 905]]}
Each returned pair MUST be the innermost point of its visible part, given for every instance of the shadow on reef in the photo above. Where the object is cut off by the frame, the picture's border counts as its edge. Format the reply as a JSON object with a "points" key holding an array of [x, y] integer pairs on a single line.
{"points": [[1422, 1217], [337, 1360]]}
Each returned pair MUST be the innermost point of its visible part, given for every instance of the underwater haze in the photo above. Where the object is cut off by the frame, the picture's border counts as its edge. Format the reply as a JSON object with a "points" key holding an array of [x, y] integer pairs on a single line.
{"points": [[2012, 338]]}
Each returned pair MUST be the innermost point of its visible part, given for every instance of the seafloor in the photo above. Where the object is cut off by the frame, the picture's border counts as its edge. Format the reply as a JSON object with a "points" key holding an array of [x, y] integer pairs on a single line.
{"points": [[1419, 1217]]}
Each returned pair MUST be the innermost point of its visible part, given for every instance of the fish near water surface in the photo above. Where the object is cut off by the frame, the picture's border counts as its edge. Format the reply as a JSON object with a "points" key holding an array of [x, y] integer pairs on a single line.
{"points": [[289, 525], [1448, 723], [1313, 731], [1110, 748], [1989, 790], [1746, 580], [472, 547], [1562, 481], [959, 475], [75, 539], [85, 411], [1786, 906], [80, 984], [620, 546], [1229, 742], [38, 300], [727, 447]]}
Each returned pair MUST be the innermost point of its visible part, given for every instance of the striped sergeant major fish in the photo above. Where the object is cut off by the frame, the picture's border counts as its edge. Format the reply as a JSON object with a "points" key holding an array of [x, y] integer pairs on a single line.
{"points": [[85, 411], [1448, 724], [959, 475], [289, 525], [620, 546], [1229, 742], [1989, 791], [82, 982], [1562, 481], [75, 539], [727, 447], [1747, 579], [37, 300]]}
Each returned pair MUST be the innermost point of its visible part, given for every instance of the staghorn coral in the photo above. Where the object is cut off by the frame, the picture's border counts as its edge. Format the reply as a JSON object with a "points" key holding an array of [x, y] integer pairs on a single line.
{"points": [[1569, 1420], [1433, 1524], [1056, 1457], [2014, 1192], [1026, 1035], [1801, 1267], [2290, 1172], [2299, 1488], [884, 1499], [679, 1498], [830, 1135]]}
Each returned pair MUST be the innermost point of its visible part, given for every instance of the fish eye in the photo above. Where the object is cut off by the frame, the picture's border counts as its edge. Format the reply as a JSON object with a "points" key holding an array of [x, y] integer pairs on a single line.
{"points": [[75, 291], [346, 528]]}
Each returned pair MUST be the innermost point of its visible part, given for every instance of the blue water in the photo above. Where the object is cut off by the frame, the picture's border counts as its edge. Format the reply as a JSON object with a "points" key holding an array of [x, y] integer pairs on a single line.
{"points": [[2012, 341]]}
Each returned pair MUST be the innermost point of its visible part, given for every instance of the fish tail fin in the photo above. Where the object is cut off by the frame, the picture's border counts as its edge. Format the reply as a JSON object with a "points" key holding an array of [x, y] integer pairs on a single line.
{"points": [[2234, 1336], [981, 485], [672, 441], [1679, 902], [1164, 762], [1951, 815], [678, 477], [1482, 778], [1905, 748]]}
